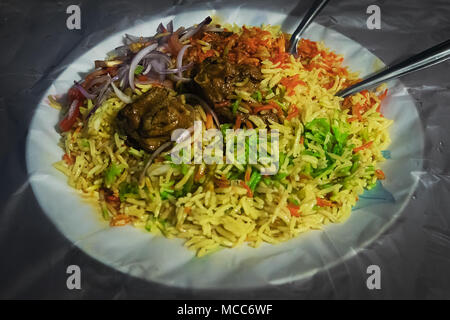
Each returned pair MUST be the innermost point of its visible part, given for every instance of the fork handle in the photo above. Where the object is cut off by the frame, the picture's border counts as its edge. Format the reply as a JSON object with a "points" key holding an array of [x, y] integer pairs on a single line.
{"points": [[424, 59], [309, 16]]}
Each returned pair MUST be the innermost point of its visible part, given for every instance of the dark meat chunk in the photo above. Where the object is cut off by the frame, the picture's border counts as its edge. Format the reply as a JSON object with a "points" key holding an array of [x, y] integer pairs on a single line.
{"points": [[225, 114], [216, 78], [149, 122]]}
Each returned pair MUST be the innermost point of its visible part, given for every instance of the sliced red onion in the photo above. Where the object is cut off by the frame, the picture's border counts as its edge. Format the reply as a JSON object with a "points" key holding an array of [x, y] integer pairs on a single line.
{"points": [[159, 66], [180, 58], [163, 47], [137, 58], [193, 31], [162, 71], [122, 96], [147, 70], [100, 98], [153, 157], [159, 56], [122, 73], [204, 105], [170, 26], [86, 94], [132, 39], [161, 29], [120, 51], [96, 81]]}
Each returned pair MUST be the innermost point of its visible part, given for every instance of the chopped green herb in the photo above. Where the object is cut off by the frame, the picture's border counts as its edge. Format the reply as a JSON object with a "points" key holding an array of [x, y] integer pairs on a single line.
{"points": [[112, 173], [127, 190], [166, 194], [282, 105], [235, 106], [258, 96], [254, 180], [280, 176], [135, 152], [139, 69], [84, 143], [224, 127], [267, 181]]}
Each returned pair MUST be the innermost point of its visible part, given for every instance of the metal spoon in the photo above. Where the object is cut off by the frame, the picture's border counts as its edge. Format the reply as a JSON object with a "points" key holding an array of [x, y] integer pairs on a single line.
{"points": [[427, 58], [309, 16]]}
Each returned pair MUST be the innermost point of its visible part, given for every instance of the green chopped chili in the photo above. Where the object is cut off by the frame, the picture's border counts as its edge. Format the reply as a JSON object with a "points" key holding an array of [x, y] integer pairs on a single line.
{"points": [[111, 173], [139, 69]]}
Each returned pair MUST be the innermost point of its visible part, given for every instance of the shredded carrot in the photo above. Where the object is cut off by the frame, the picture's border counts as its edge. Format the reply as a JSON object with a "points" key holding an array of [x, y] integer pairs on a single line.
{"points": [[261, 108], [209, 121], [280, 58], [364, 146], [225, 103], [293, 113], [380, 174], [302, 139], [356, 111], [248, 124], [323, 202], [277, 107], [248, 172], [307, 48], [249, 191], [294, 210], [68, 159], [237, 125], [291, 82], [120, 220], [328, 85], [329, 61], [187, 210], [383, 95], [112, 198], [76, 132]]}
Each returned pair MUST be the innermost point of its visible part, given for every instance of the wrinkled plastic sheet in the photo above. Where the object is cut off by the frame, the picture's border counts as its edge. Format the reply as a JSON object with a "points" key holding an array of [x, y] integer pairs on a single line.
{"points": [[409, 205]]}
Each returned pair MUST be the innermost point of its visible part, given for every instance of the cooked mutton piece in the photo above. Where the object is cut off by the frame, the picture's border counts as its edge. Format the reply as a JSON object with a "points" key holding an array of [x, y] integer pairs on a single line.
{"points": [[150, 120]]}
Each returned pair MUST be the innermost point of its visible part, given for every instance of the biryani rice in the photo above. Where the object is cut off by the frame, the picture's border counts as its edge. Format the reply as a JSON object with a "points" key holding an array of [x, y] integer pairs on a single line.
{"points": [[215, 217]]}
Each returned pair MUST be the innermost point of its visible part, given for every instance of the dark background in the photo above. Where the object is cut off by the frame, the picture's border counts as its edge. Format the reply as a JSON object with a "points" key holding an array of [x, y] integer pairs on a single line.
{"points": [[414, 254]]}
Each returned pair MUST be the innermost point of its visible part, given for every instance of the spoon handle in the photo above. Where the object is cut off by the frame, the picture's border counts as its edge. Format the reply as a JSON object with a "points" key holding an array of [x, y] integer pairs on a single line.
{"points": [[309, 16], [424, 59]]}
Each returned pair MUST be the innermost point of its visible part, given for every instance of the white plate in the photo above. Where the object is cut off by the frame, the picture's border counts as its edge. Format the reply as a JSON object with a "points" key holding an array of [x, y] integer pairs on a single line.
{"points": [[166, 261]]}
